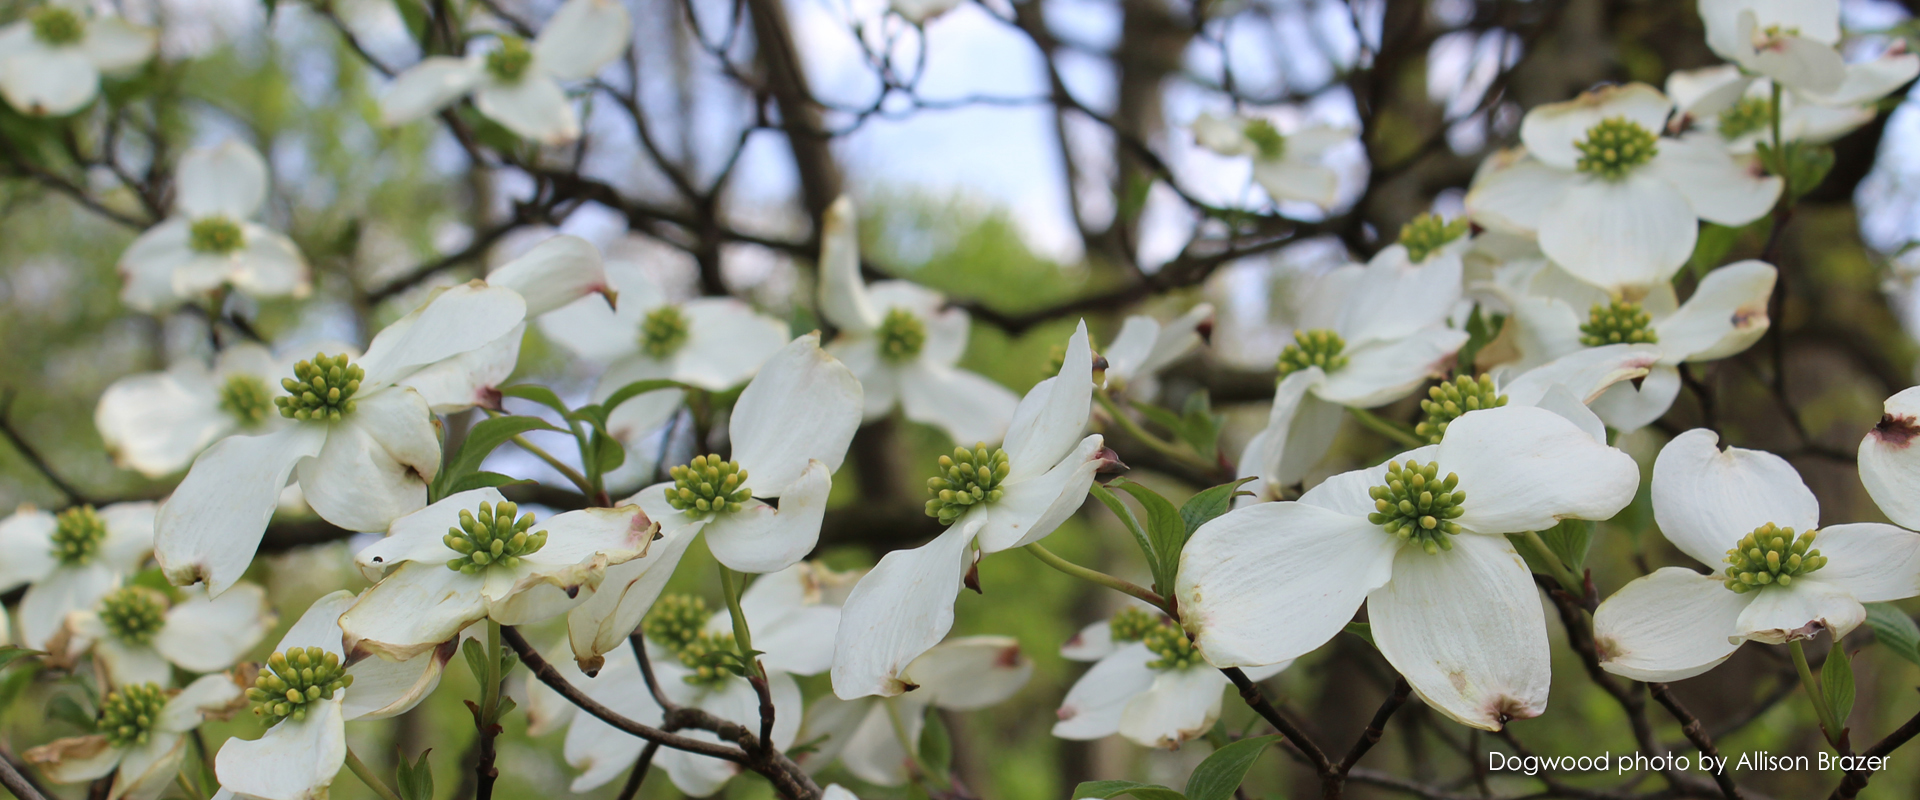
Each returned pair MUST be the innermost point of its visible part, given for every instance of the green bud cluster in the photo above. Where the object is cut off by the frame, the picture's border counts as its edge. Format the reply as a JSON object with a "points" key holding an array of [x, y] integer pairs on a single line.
{"points": [[1417, 506], [492, 537], [77, 534], [128, 715], [1175, 651], [1132, 625], [902, 335], [246, 398], [711, 657], [321, 390], [1614, 147], [1447, 401], [1617, 322], [967, 478], [1747, 116], [1266, 138], [678, 622], [133, 614], [294, 679], [663, 331], [708, 485], [1771, 555], [216, 235], [1427, 233], [509, 62], [57, 25], [1315, 348]]}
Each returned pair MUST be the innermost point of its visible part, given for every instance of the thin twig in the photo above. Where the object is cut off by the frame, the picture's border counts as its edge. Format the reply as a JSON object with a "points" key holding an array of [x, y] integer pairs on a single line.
{"points": [[33, 457], [1690, 725], [639, 773]]}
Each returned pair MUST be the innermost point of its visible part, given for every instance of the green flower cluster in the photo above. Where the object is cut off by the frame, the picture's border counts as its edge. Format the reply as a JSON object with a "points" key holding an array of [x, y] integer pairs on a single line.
{"points": [[1427, 233], [1266, 138], [133, 614], [247, 399], [1132, 625], [1417, 506], [1315, 348], [1447, 401], [708, 485], [663, 331], [57, 25], [492, 537], [1174, 649], [215, 235], [1771, 555], [1614, 147], [320, 390], [678, 623], [902, 335], [967, 478], [1617, 322], [295, 679], [509, 62], [77, 534], [1749, 115], [128, 715]]}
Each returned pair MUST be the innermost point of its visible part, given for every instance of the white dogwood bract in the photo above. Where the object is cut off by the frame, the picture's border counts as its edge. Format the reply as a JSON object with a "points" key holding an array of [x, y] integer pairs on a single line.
{"points": [[903, 342], [142, 769], [517, 83], [1131, 692], [1676, 623], [1289, 166], [156, 422], [70, 560], [211, 242], [1270, 582], [1790, 41], [199, 634], [1145, 346], [52, 60]]}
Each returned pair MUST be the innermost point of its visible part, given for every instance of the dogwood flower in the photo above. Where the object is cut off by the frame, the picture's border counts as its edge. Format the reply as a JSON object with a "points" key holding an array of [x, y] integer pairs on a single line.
{"points": [[71, 560], [139, 636], [994, 500], [209, 241], [902, 341], [54, 57], [965, 673], [1148, 683], [1747, 515], [689, 648], [517, 83], [156, 422], [1366, 336], [1288, 165], [790, 430], [1725, 315], [361, 447], [1610, 201], [1739, 107], [1790, 41], [305, 742], [1421, 540], [1144, 347], [142, 737], [467, 558]]}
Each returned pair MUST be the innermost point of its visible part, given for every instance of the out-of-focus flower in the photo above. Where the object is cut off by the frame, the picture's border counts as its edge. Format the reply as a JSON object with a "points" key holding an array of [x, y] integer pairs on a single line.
{"points": [[156, 422], [142, 739], [1739, 108], [71, 560], [1145, 346], [139, 636], [210, 241], [51, 61], [1148, 684], [1791, 41], [1287, 165]]}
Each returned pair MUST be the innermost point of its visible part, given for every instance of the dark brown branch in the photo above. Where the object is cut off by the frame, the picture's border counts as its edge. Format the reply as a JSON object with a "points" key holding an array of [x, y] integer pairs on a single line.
{"points": [[1377, 726], [1856, 780], [1690, 726], [639, 773], [13, 775], [32, 456], [1257, 700]]}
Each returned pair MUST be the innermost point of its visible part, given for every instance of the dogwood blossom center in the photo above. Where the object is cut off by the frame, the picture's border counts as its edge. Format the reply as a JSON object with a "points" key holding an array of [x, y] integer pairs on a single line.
{"points": [[492, 537], [1417, 506], [321, 389], [1427, 233], [127, 716], [678, 623], [1771, 555], [1174, 649], [902, 335], [1447, 401], [246, 398], [1747, 116], [1614, 147], [1131, 625], [215, 235], [1266, 138], [133, 614], [57, 26], [77, 533], [967, 478], [509, 63], [663, 331], [1617, 322], [294, 679], [1315, 348], [708, 485]]}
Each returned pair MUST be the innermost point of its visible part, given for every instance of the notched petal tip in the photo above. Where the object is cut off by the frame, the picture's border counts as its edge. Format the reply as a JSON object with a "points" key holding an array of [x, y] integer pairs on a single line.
{"points": [[590, 667], [1896, 431], [1110, 465]]}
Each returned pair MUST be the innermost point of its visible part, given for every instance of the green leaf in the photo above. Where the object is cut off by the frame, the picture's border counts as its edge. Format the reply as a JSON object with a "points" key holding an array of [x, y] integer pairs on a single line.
{"points": [[1165, 529], [1836, 682], [1711, 248], [1570, 540], [484, 480], [416, 779], [476, 654], [1481, 330], [1807, 167], [936, 745], [1221, 773], [1894, 630], [1200, 426], [1362, 630], [539, 394], [481, 441], [635, 389], [1127, 519], [1144, 791], [1211, 502], [508, 660], [10, 654], [65, 708]]}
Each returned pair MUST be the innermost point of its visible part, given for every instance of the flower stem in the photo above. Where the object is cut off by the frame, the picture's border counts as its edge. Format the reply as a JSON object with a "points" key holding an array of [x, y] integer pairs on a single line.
{"points": [[1095, 576], [580, 481], [488, 718], [1555, 567], [1398, 433], [1169, 449], [368, 777], [1828, 725], [730, 585]]}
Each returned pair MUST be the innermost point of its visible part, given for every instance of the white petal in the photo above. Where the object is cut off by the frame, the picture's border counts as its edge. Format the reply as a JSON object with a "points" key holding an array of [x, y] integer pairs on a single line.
{"points": [[1719, 188], [1800, 63], [1051, 417], [148, 770], [1705, 500], [602, 751], [1585, 372], [295, 760], [1093, 707], [969, 407], [1726, 314], [1875, 563], [115, 45], [76, 759], [590, 539], [357, 482], [205, 634], [1396, 299], [127, 664], [534, 108], [1562, 402], [1465, 627], [1869, 81], [1297, 179], [412, 611], [1889, 464], [601, 624], [1274, 581], [1632, 232], [1385, 371], [1525, 469], [467, 380], [1034, 506], [228, 181], [970, 672], [26, 536], [1704, 93], [383, 688], [211, 526], [727, 341], [427, 87], [1224, 135], [1627, 408], [1780, 614], [761, 539], [900, 609], [207, 695], [1300, 429], [843, 293], [597, 332], [419, 536], [1180, 705], [48, 81], [557, 271], [1550, 131], [1091, 643], [156, 422], [454, 321], [1668, 626], [146, 268], [319, 625], [803, 406], [270, 266], [582, 37], [1511, 188], [802, 644], [129, 538]]}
